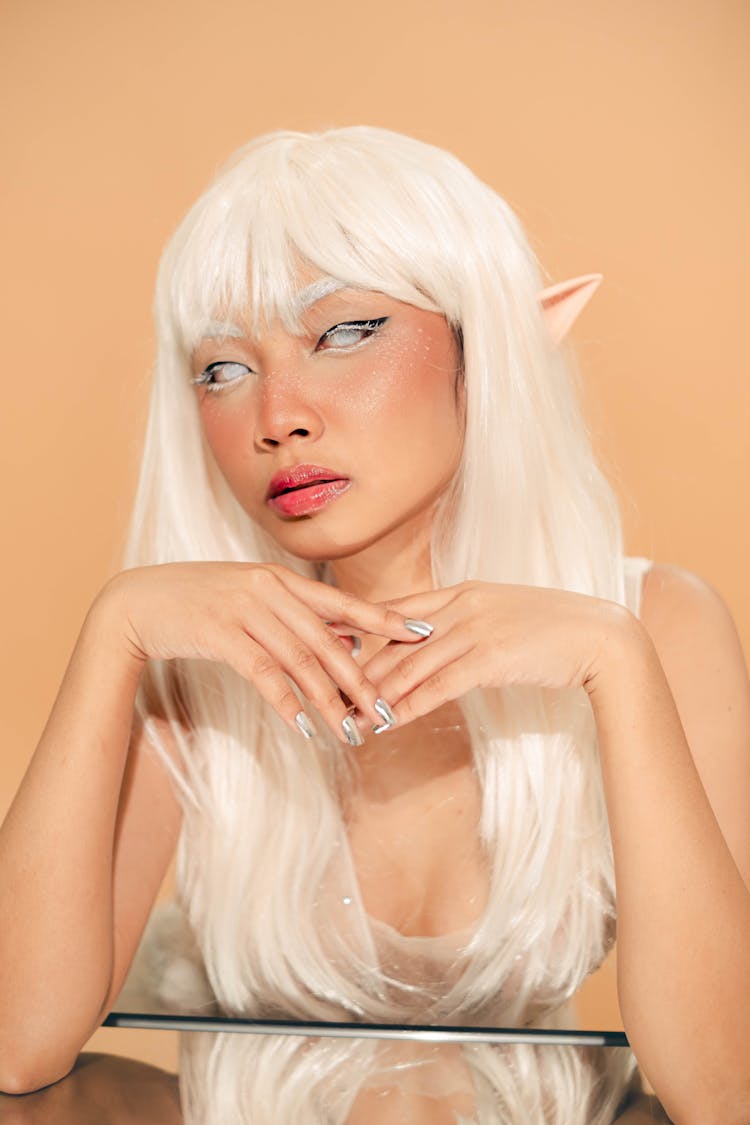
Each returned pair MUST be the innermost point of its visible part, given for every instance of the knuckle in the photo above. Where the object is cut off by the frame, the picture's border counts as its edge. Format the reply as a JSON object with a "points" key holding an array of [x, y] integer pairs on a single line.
{"points": [[302, 657], [619, 614], [435, 683], [263, 577], [328, 699], [331, 641], [347, 604], [263, 666], [406, 667], [360, 682], [471, 596], [287, 702]]}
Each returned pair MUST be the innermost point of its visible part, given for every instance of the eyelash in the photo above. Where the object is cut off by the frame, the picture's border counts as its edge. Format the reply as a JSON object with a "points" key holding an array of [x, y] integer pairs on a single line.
{"points": [[368, 326]]}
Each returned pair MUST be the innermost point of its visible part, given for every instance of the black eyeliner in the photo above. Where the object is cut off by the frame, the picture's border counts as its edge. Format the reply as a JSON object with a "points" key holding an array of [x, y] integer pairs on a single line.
{"points": [[372, 325]]}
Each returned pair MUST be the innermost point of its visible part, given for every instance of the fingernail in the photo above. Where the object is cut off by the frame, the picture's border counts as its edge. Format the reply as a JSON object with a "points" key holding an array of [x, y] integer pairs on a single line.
{"points": [[381, 728], [304, 724], [421, 628], [356, 645], [385, 712], [353, 737]]}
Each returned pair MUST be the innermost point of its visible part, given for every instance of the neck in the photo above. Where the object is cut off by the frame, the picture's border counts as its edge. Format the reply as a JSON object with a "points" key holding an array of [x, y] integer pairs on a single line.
{"points": [[393, 567]]}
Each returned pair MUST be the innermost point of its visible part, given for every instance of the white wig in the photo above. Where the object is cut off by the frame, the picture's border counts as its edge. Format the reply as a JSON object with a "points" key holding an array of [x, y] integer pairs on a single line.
{"points": [[260, 867]]}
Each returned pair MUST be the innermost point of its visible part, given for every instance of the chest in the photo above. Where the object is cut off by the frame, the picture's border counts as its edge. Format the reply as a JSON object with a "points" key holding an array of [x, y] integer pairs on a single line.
{"points": [[413, 828]]}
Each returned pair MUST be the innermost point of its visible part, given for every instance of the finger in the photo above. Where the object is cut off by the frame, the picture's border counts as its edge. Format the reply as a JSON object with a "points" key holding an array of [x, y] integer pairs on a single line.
{"points": [[445, 621], [386, 659], [315, 659], [448, 682], [416, 666], [251, 661], [424, 605], [343, 608], [310, 648]]}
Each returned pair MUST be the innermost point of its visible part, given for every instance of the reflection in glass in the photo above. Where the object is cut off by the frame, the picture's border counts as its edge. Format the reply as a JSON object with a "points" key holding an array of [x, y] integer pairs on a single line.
{"points": [[231, 1079], [263, 1080]]}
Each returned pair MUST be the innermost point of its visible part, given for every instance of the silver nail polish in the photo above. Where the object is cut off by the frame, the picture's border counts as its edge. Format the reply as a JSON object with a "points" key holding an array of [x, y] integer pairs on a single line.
{"points": [[385, 712], [356, 645], [421, 628], [304, 724], [381, 728], [351, 731]]}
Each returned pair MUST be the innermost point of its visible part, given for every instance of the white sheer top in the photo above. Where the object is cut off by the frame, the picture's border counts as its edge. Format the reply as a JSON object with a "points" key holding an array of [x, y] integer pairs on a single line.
{"points": [[432, 965]]}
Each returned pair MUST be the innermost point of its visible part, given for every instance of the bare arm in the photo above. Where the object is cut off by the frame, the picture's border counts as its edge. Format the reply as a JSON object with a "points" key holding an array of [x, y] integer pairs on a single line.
{"points": [[672, 708], [75, 841], [671, 701], [90, 833]]}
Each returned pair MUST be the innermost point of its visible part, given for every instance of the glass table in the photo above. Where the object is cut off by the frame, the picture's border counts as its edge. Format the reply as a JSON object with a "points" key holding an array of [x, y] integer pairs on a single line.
{"points": [[274, 1072]]}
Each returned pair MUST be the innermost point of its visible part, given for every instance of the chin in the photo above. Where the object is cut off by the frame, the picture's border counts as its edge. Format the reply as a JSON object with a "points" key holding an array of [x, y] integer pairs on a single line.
{"points": [[308, 540]]}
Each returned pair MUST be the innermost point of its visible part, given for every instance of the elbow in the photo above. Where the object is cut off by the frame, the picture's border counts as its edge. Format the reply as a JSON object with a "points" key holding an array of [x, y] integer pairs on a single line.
{"points": [[39, 1048], [27, 1080], [27, 1068]]}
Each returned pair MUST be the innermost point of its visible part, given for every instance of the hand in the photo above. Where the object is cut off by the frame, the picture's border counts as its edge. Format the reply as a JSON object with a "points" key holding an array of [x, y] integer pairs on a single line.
{"points": [[491, 635], [266, 622]]}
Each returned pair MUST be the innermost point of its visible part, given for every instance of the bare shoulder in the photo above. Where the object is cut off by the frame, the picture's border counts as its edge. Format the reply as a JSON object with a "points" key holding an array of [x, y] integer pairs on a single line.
{"points": [[696, 639], [673, 595], [691, 626]]}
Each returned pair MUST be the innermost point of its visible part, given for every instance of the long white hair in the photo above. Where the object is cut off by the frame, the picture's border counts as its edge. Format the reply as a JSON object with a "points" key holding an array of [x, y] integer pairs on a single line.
{"points": [[259, 867]]}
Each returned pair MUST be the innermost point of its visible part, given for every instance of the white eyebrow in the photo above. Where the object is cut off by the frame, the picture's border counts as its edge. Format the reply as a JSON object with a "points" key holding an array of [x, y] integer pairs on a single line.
{"points": [[319, 289], [310, 295]]}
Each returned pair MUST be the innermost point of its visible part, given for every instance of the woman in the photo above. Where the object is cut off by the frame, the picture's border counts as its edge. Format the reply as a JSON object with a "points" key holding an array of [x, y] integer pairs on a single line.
{"points": [[402, 706]]}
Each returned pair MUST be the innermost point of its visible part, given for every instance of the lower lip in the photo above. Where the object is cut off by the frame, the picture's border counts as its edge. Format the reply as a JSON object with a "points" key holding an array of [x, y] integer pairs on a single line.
{"points": [[309, 499]]}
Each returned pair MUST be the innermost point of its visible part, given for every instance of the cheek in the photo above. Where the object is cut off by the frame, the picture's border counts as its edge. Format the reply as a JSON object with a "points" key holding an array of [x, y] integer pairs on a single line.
{"points": [[228, 437], [412, 385], [367, 398], [423, 391]]}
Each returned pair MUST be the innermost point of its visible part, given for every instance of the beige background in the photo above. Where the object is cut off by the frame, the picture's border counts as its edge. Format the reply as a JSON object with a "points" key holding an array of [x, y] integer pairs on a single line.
{"points": [[617, 131]]}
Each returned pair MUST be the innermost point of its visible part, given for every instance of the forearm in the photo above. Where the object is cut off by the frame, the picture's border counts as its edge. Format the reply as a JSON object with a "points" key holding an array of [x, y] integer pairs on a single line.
{"points": [[56, 848], [683, 908]]}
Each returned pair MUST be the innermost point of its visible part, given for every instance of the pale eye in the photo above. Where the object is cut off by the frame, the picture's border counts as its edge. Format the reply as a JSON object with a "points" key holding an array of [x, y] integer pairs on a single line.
{"points": [[221, 374], [349, 334]]}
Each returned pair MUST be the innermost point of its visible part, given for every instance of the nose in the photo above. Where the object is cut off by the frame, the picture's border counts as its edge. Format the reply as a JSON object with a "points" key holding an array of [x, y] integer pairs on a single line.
{"points": [[285, 415]]}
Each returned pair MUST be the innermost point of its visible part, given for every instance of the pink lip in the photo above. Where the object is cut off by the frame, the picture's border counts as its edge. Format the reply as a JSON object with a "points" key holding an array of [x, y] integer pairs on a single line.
{"points": [[313, 487]]}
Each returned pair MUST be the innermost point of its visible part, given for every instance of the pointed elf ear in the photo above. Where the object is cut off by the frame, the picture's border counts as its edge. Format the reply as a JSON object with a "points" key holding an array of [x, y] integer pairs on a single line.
{"points": [[562, 303]]}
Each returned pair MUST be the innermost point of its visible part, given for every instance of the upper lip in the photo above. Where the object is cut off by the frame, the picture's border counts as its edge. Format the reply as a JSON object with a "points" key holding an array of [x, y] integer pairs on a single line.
{"points": [[298, 476]]}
